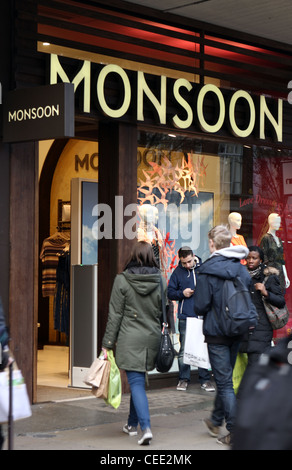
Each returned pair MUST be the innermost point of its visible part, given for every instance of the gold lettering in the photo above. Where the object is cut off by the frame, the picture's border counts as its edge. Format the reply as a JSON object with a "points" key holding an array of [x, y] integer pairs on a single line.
{"points": [[212, 128], [114, 113], [235, 129], [160, 103], [182, 124], [83, 74], [144, 88], [265, 112]]}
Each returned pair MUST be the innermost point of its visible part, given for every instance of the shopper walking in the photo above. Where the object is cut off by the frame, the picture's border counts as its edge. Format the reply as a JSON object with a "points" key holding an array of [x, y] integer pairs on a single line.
{"points": [[181, 287], [224, 263], [134, 325], [258, 340]]}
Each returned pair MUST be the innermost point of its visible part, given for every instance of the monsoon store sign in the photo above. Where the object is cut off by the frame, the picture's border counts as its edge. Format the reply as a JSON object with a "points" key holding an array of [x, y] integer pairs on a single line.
{"points": [[39, 113], [111, 91]]}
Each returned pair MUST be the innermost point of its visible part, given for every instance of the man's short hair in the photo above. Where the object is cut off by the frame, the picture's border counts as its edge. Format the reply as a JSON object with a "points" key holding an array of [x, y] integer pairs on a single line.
{"points": [[185, 251], [220, 236]]}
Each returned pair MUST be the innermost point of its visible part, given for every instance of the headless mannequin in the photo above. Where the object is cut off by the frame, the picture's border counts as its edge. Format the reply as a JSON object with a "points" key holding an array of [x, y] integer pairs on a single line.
{"points": [[149, 233], [234, 223], [147, 229], [272, 247]]}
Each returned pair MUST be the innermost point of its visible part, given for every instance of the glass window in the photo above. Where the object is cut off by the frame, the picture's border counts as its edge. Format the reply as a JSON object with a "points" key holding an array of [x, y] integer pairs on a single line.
{"points": [[193, 184]]}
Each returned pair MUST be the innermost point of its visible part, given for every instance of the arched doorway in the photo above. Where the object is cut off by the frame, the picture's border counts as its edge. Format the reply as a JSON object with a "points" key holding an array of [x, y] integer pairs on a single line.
{"points": [[66, 159]]}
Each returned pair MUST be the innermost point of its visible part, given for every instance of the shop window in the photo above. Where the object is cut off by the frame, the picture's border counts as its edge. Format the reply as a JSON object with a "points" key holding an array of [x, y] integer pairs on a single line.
{"points": [[193, 184], [231, 158], [186, 183]]}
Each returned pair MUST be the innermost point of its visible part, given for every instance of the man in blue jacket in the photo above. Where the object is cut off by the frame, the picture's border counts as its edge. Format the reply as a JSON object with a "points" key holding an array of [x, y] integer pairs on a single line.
{"points": [[224, 263], [181, 287]]}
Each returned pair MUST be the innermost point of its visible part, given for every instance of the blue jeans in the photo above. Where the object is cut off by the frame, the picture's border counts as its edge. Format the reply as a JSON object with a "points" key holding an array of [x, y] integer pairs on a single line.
{"points": [[222, 360], [139, 410], [185, 369]]}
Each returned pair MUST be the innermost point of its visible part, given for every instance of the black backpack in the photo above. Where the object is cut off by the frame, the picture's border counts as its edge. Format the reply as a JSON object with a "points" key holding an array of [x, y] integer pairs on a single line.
{"points": [[264, 413], [238, 312]]}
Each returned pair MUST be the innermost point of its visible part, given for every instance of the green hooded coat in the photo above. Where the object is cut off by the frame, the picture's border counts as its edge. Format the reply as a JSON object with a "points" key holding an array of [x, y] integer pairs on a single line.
{"points": [[134, 320]]}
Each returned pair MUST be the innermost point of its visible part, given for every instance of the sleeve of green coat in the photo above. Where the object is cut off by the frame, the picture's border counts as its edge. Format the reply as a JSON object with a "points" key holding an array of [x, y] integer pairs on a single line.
{"points": [[115, 315]]}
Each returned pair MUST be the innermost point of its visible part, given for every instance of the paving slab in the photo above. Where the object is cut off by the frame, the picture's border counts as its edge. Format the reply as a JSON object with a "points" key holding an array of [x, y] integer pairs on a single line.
{"points": [[88, 423]]}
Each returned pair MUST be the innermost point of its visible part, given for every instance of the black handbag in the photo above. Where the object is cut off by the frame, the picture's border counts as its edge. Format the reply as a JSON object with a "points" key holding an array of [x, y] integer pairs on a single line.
{"points": [[278, 317], [166, 353]]}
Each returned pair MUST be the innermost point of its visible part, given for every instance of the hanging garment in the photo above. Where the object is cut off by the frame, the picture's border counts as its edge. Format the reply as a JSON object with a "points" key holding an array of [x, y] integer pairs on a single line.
{"points": [[51, 249], [62, 295]]}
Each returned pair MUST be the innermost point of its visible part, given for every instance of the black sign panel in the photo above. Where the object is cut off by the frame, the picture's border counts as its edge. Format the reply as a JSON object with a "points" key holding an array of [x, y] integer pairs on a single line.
{"points": [[39, 113]]}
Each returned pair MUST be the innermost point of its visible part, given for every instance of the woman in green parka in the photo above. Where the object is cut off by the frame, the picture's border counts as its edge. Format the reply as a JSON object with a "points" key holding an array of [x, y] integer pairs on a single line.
{"points": [[134, 326]]}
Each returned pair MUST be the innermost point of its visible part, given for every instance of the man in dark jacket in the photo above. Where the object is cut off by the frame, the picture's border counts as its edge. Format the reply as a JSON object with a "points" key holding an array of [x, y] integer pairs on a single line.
{"points": [[224, 263], [181, 287]]}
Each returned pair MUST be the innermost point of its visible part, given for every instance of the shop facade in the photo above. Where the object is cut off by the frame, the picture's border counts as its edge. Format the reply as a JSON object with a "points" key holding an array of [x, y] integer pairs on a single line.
{"points": [[188, 118]]}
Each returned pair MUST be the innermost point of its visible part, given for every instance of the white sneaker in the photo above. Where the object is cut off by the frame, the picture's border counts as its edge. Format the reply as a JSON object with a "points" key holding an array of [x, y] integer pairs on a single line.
{"points": [[146, 438]]}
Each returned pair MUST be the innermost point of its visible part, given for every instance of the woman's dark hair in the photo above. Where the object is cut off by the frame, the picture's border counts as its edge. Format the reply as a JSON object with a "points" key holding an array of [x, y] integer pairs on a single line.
{"points": [[142, 255], [258, 250]]}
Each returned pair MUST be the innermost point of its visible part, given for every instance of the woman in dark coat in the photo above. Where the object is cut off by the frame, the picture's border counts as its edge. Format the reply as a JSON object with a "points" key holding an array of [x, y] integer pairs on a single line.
{"points": [[265, 283], [134, 326]]}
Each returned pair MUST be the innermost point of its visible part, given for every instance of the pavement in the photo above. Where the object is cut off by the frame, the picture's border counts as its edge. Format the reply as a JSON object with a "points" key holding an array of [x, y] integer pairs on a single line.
{"points": [[87, 423]]}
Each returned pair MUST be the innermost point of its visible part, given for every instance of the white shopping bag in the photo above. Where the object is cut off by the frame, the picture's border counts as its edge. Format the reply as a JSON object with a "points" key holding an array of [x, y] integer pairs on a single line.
{"points": [[196, 350], [20, 402]]}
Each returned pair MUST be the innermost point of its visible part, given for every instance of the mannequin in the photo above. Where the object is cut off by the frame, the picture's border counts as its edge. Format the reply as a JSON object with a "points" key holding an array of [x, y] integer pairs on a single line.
{"points": [[234, 224], [272, 247], [148, 232], [149, 217]]}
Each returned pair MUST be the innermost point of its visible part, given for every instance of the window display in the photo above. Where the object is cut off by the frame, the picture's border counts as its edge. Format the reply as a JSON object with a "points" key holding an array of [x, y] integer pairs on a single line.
{"points": [[148, 232], [169, 182], [195, 184], [273, 249], [234, 224]]}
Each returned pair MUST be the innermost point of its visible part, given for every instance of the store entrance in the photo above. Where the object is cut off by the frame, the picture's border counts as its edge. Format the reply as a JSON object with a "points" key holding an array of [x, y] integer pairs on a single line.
{"points": [[60, 163]]}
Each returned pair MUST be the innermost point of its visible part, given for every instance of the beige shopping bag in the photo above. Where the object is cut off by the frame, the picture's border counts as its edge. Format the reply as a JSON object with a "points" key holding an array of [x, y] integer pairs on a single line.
{"points": [[95, 372], [102, 390]]}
